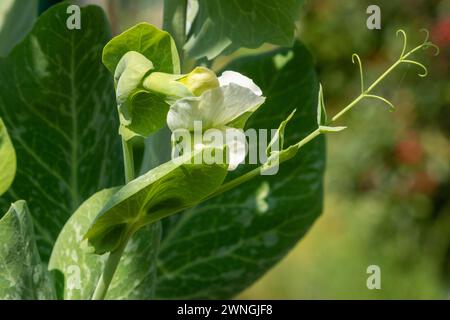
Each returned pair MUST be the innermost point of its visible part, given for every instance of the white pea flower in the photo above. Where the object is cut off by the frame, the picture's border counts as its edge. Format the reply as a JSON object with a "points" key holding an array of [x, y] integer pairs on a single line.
{"points": [[221, 105], [224, 108]]}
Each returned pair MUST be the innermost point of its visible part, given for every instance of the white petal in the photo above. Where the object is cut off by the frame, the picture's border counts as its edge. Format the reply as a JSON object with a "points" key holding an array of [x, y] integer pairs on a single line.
{"points": [[215, 108], [235, 141], [228, 77], [236, 147], [184, 112]]}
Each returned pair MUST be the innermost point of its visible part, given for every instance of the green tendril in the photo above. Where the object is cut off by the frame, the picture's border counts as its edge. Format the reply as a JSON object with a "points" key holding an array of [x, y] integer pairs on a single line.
{"points": [[424, 74], [361, 73], [432, 45], [405, 41], [403, 59], [427, 35], [373, 96], [287, 153]]}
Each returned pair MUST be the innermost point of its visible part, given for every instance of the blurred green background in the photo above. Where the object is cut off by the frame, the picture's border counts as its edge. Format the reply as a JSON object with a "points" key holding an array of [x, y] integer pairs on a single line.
{"points": [[387, 199]]}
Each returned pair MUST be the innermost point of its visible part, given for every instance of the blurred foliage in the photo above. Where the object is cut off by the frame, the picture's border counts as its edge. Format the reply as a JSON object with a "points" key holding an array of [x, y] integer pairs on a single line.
{"points": [[15, 22], [124, 14]]}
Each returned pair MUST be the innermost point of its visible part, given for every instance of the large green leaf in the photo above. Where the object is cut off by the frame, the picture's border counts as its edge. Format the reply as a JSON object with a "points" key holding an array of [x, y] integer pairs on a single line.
{"points": [[7, 159], [16, 19], [135, 276], [164, 190], [232, 24], [57, 100], [22, 275], [224, 245]]}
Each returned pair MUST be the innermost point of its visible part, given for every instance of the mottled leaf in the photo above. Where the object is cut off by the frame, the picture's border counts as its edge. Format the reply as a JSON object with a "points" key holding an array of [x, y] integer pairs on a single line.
{"points": [[222, 246], [135, 276], [164, 190], [229, 25], [57, 100], [7, 159], [22, 274]]}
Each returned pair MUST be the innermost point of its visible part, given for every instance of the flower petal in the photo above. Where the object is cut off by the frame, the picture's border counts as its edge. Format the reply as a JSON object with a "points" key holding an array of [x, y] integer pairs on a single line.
{"points": [[235, 141], [215, 108], [228, 77], [184, 112]]}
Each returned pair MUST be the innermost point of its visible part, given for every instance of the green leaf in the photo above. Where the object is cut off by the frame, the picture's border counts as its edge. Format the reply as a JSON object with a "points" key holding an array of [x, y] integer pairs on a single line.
{"points": [[327, 129], [135, 276], [229, 25], [224, 245], [321, 110], [57, 100], [7, 159], [22, 274], [143, 112], [278, 138], [155, 44], [169, 188], [16, 20]]}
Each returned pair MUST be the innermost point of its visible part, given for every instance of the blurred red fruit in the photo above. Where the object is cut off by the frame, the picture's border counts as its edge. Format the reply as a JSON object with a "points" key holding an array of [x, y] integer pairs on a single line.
{"points": [[409, 151], [441, 33], [424, 183]]}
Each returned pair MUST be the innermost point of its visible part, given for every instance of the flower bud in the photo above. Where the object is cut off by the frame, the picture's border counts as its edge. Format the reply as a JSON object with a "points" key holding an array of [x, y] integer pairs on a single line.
{"points": [[175, 86], [199, 80], [166, 84]]}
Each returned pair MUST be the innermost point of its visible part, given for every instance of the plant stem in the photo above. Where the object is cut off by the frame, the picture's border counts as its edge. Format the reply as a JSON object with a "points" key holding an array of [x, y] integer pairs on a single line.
{"points": [[174, 22], [374, 84], [114, 257], [110, 268], [347, 108], [255, 172], [366, 92], [128, 160]]}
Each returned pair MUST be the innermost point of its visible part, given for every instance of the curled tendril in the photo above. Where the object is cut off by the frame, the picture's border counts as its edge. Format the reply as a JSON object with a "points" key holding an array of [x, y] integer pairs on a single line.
{"points": [[432, 45], [428, 44], [424, 45], [424, 74], [366, 93], [405, 41], [372, 96], [427, 35], [361, 74]]}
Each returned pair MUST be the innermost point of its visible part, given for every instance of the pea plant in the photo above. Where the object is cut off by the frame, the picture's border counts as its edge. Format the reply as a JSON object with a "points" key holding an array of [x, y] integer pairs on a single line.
{"points": [[126, 160]]}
